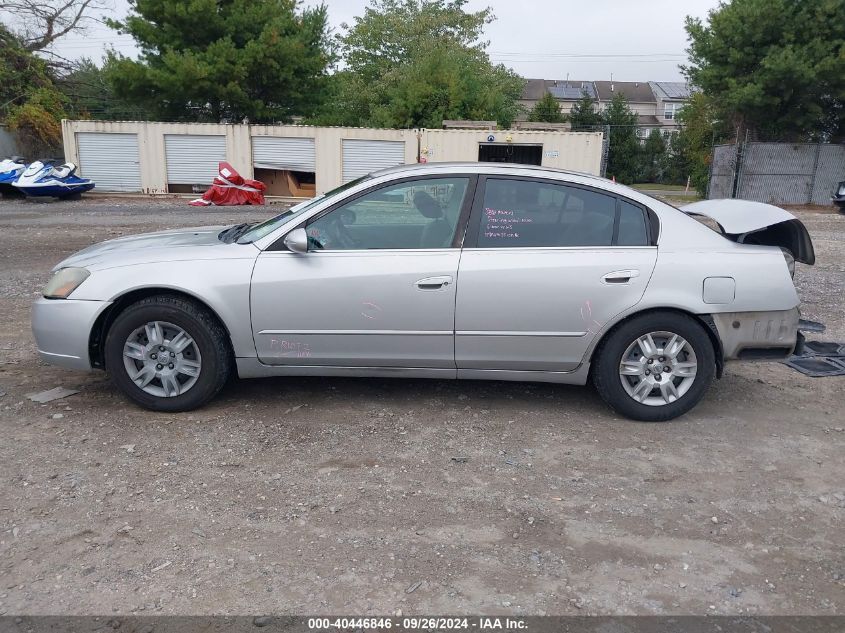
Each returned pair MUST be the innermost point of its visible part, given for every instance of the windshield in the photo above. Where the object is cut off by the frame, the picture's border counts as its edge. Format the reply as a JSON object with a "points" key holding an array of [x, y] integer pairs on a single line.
{"points": [[268, 226]]}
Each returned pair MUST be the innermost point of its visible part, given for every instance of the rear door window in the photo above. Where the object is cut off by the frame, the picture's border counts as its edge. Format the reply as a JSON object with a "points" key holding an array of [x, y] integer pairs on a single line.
{"points": [[525, 213]]}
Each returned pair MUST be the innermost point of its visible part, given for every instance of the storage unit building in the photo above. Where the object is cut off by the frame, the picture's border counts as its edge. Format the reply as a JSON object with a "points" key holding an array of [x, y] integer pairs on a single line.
{"points": [[575, 151], [287, 165], [112, 161], [362, 156], [296, 160], [192, 159], [284, 153]]}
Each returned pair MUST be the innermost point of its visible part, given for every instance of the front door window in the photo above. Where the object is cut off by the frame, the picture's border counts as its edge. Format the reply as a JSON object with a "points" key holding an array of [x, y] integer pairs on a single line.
{"points": [[418, 214]]}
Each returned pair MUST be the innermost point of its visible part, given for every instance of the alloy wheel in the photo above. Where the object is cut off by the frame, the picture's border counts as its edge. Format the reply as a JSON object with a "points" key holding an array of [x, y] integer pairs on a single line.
{"points": [[658, 368], [162, 359]]}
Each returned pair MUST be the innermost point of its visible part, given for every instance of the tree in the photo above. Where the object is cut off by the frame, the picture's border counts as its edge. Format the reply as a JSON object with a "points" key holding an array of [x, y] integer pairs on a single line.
{"points": [[624, 146], [677, 164], [652, 156], [90, 96], [37, 122], [776, 68], [584, 113], [32, 103], [42, 22], [547, 109], [692, 148], [29, 102], [414, 63], [223, 60]]}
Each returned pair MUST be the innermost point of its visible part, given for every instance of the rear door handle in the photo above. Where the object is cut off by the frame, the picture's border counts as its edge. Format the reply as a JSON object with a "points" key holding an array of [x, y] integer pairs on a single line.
{"points": [[620, 276], [433, 283]]}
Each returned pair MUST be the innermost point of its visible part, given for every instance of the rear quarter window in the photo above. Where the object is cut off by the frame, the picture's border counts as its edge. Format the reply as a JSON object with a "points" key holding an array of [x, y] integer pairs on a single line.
{"points": [[632, 225]]}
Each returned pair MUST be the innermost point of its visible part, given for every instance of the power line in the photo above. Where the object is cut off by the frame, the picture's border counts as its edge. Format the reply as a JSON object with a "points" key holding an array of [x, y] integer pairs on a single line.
{"points": [[583, 55], [591, 61]]}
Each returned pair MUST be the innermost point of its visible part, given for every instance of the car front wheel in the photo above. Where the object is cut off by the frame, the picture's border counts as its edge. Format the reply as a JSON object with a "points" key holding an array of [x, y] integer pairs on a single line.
{"points": [[167, 353], [655, 367]]}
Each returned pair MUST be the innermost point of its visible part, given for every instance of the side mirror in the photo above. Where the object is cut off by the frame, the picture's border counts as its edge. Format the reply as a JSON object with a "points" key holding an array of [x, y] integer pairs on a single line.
{"points": [[297, 241]]}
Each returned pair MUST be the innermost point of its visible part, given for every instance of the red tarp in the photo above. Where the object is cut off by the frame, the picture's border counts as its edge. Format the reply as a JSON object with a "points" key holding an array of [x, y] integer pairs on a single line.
{"points": [[229, 188]]}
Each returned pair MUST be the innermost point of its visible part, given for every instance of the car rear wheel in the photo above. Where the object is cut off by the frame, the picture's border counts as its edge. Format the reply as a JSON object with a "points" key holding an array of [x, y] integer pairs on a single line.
{"points": [[655, 367], [167, 353]]}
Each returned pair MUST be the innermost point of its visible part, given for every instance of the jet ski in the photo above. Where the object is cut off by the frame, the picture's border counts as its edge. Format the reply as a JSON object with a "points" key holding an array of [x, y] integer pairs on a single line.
{"points": [[10, 169], [46, 179]]}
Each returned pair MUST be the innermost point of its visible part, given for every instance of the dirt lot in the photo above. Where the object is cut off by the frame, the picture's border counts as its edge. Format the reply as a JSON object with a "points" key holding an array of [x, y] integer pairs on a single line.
{"points": [[335, 496]]}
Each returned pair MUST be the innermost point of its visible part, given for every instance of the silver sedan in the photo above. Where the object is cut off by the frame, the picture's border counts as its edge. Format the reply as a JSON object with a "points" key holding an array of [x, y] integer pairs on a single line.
{"points": [[470, 271]]}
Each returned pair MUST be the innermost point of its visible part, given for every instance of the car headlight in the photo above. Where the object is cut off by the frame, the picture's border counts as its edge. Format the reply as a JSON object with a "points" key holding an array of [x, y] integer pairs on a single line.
{"points": [[64, 281], [790, 261]]}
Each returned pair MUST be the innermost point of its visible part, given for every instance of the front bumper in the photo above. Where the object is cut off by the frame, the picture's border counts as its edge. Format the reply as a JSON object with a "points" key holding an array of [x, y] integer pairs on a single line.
{"points": [[758, 335], [62, 329]]}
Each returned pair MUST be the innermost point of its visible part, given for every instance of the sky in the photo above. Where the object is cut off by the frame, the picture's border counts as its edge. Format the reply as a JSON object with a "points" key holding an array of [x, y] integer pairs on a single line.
{"points": [[626, 40]]}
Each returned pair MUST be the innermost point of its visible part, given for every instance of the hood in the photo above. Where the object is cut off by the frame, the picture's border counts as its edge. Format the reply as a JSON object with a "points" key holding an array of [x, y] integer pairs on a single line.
{"points": [[167, 245], [748, 222]]}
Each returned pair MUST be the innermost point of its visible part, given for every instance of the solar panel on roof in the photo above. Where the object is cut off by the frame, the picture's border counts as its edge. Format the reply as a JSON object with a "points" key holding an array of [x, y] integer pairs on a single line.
{"points": [[674, 89], [572, 90]]}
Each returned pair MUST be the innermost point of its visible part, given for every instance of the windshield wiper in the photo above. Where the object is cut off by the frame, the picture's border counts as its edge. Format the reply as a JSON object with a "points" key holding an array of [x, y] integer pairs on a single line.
{"points": [[227, 236]]}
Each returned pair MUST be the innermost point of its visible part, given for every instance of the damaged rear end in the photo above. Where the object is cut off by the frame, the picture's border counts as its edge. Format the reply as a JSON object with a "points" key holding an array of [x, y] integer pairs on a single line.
{"points": [[763, 335], [747, 222]]}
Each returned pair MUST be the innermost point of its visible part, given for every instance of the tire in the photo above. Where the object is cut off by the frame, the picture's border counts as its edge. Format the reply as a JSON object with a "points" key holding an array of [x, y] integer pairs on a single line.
{"points": [[184, 379], [635, 390]]}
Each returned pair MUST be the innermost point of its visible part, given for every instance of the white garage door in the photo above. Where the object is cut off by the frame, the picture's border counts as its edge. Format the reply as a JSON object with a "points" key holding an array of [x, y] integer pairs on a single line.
{"points": [[110, 160], [272, 152], [192, 158], [360, 157]]}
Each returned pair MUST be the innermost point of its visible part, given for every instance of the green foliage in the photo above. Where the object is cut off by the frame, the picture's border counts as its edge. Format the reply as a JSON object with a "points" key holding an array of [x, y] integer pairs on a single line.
{"points": [[547, 109], [21, 72], [677, 165], [624, 151], [223, 60], [90, 95], [584, 113], [623, 155], [652, 158], [692, 148], [394, 32], [37, 122], [414, 63], [774, 67], [29, 102]]}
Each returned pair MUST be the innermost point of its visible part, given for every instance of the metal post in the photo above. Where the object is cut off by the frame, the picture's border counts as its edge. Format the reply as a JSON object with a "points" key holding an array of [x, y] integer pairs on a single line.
{"points": [[736, 169], [740, 154], [605, 151], [815, 173], [710, 166]]}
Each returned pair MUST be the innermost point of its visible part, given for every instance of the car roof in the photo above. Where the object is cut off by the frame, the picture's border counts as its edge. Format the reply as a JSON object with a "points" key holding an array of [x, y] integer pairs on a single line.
{"points": [[484, 168]]}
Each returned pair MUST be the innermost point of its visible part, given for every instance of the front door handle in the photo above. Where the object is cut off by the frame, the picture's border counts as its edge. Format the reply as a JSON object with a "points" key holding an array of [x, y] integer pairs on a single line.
{"points": [[433, 283], [620, 276]]}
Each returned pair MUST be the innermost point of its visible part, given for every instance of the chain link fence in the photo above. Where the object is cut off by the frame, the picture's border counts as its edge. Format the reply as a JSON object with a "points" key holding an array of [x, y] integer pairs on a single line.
{"points": [[777, 173]]}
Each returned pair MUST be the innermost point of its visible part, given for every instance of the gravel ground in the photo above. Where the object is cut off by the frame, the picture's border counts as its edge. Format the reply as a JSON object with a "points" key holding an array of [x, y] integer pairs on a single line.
{"points": [[318, 495]]}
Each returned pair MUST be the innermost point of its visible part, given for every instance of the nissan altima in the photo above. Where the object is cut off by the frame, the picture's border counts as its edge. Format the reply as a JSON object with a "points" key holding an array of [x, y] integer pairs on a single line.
{"points": [[468, 271]]}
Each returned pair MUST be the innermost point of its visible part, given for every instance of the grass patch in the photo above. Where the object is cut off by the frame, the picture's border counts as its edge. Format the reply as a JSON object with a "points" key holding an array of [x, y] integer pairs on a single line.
{"points": [[658, 186], [679, 201]]}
